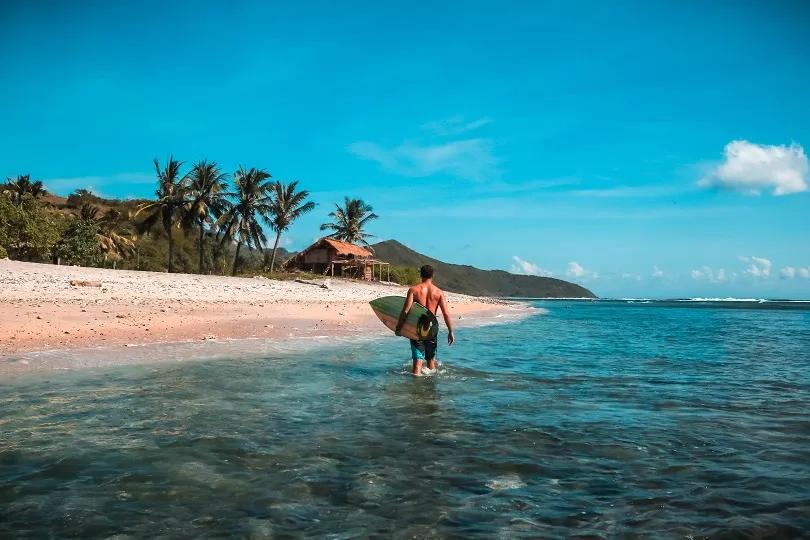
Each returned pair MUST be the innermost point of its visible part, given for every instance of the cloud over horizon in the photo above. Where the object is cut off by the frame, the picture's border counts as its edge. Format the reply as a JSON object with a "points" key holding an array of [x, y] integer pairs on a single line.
{"points": [[526, 268], [578, 272], [751, 168]]}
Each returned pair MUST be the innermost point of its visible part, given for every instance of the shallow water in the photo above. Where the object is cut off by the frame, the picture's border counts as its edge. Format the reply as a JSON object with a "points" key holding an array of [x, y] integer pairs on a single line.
{"points": [[601, 420]]}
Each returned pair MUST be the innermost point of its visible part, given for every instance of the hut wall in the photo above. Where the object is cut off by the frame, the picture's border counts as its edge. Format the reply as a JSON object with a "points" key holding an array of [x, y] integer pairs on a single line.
{"points": [[317, 256]]}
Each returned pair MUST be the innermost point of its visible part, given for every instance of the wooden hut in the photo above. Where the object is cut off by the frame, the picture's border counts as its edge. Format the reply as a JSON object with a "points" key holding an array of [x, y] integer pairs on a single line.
{"points": [[332, 257]]}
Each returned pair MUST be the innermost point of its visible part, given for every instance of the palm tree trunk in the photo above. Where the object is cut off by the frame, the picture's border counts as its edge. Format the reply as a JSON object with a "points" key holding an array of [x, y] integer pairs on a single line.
{"points": [[171, 251], [236, 258], [201, 245], [275, 247]]}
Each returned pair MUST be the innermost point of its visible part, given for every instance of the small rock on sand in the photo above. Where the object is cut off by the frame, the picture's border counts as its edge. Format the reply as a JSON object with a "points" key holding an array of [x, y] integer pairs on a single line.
{"points": [[78, 283]]}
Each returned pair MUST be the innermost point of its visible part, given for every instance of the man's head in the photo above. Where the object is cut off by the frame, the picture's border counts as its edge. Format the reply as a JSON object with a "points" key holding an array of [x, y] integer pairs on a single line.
{"points": [[426, 272]]}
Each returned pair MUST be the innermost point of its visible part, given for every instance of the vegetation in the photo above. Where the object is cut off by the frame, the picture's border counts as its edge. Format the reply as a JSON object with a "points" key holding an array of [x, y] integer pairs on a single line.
{"points": [[3, 253], [405, 275], [27, 230], [16, 190], [288, 205], [80, 244], [252, 203], [206, 201], [350, 222], [166, 208], [476, 282]]}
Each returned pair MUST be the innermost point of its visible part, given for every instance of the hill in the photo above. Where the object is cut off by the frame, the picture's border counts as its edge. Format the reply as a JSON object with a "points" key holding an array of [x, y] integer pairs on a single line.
{"points": [[474, 281]]}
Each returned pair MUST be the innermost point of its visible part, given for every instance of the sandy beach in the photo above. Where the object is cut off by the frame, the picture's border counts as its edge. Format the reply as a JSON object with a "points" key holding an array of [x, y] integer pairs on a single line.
{"points": [[41, 310]]}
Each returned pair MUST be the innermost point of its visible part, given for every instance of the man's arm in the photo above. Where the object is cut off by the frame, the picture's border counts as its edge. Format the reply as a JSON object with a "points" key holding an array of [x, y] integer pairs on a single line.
{"points": [[405, 309], [447, 321]]}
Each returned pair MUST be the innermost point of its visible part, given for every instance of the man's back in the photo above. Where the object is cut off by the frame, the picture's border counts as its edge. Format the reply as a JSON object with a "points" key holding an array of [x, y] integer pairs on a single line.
{"points": [[427, 294]]}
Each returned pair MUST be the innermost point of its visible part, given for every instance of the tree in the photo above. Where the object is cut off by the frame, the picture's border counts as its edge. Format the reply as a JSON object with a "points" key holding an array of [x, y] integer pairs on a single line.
{"points": [[17, 189], [287, 207], [109, 235], [80, 245], [350, 221], [252, 201], [206, 199], [169, 206], [26, 230], [88, 212]]}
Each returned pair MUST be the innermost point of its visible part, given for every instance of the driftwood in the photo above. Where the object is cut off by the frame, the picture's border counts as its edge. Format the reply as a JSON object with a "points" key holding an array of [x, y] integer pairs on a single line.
{"points": [[77, 283]]}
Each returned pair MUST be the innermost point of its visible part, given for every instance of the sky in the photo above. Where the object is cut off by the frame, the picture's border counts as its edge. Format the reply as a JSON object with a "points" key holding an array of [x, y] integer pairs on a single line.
{"points": [[641, 149]]}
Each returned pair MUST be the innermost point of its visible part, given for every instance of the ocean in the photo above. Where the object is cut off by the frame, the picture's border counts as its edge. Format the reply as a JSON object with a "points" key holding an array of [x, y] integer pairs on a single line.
{"points": [[590, 419]]}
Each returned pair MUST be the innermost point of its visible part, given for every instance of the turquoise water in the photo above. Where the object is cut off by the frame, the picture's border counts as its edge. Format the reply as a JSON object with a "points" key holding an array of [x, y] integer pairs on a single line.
{"points": [[598, 420]]}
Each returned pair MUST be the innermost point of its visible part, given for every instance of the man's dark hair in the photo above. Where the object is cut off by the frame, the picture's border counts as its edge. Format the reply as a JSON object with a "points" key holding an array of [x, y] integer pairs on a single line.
{"points": [[426, 272]]}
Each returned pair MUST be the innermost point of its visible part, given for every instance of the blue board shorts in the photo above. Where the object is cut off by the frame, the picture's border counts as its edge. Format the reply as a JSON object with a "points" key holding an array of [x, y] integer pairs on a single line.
{"points": [[423, 350]]}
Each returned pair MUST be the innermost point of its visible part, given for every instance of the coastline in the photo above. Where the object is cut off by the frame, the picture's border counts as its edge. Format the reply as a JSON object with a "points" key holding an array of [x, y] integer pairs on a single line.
{"points": [[43, 313]]}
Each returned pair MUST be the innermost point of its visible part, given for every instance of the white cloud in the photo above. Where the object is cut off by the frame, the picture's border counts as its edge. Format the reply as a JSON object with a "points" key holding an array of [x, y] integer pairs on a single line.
{"points": [[788, 272], [286, 241], [634, 277], [743, 258], [576, 271], [759, 267], [751, 168], [804, 272], [707, 273], [657, 272], [455, 125], [469, 159], [528, 269], [94, 183]]}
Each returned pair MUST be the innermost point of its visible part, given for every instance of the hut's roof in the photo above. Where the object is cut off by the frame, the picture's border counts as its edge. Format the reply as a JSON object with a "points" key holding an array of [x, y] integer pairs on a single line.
{"points": [[345, 248]]}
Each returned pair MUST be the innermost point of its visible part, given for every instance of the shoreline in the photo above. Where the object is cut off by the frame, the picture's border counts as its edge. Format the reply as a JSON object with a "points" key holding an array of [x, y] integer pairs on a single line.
{"points": [[44, 314]]}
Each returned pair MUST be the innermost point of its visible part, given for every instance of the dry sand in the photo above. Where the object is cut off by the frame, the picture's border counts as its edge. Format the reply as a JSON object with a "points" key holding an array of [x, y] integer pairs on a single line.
{"points": [[40, 310]]}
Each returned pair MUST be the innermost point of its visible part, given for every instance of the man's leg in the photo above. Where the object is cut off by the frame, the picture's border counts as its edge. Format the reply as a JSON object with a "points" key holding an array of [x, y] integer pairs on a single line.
{"points": [[430, 354], [417, 355]]}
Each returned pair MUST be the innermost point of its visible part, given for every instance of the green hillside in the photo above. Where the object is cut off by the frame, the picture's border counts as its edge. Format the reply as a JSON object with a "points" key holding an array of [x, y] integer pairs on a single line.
{"points": [[469, 280]]}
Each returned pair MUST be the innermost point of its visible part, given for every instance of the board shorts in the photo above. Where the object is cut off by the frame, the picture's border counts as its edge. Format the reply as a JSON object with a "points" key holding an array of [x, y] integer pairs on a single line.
{"points": [[423, 350]]}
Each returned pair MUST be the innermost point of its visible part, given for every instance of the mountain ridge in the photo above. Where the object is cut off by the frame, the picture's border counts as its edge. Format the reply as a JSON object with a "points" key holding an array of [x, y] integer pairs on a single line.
{"points": [[467, 279]]}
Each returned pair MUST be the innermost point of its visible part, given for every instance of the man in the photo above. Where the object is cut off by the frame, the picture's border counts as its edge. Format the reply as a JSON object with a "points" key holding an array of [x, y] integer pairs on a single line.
{"points": [[432, 297]]}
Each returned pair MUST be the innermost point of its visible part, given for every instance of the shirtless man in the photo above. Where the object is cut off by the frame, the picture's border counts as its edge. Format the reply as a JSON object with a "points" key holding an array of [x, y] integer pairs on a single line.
{"points": [[432, 297]]}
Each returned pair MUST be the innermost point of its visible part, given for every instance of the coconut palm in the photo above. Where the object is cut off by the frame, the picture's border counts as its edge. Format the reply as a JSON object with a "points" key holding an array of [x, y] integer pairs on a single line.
{"points": [[169, 205], [88, 212], [17, 189], [350, 221], [113, 243], [206, 193], [287, 207], [252, 202]]}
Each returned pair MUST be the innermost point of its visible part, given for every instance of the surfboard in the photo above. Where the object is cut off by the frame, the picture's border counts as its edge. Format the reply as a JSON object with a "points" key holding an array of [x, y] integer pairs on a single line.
{"points": [[420, 324]]}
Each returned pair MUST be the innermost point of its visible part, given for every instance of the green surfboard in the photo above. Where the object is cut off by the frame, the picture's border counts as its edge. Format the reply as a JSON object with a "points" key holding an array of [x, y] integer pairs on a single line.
{"points": [[420, 325]]}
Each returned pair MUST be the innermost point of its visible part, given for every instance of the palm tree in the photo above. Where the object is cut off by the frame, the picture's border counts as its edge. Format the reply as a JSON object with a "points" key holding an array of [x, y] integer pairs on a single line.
{"points": [[252, 201], [207, 202], [88, 212], [170, 203], [111, 240], [350, 221], [287, 207], [17, 189]]}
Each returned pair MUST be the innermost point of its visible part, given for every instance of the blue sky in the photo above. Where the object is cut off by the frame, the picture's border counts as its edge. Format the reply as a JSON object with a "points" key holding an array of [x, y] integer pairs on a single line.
{"points": [[638, 148]]}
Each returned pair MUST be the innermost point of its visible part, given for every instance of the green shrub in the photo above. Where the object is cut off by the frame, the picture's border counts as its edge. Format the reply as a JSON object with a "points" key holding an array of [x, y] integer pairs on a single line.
{"points": [[80, 245], [404, 275], [3, 253]]}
